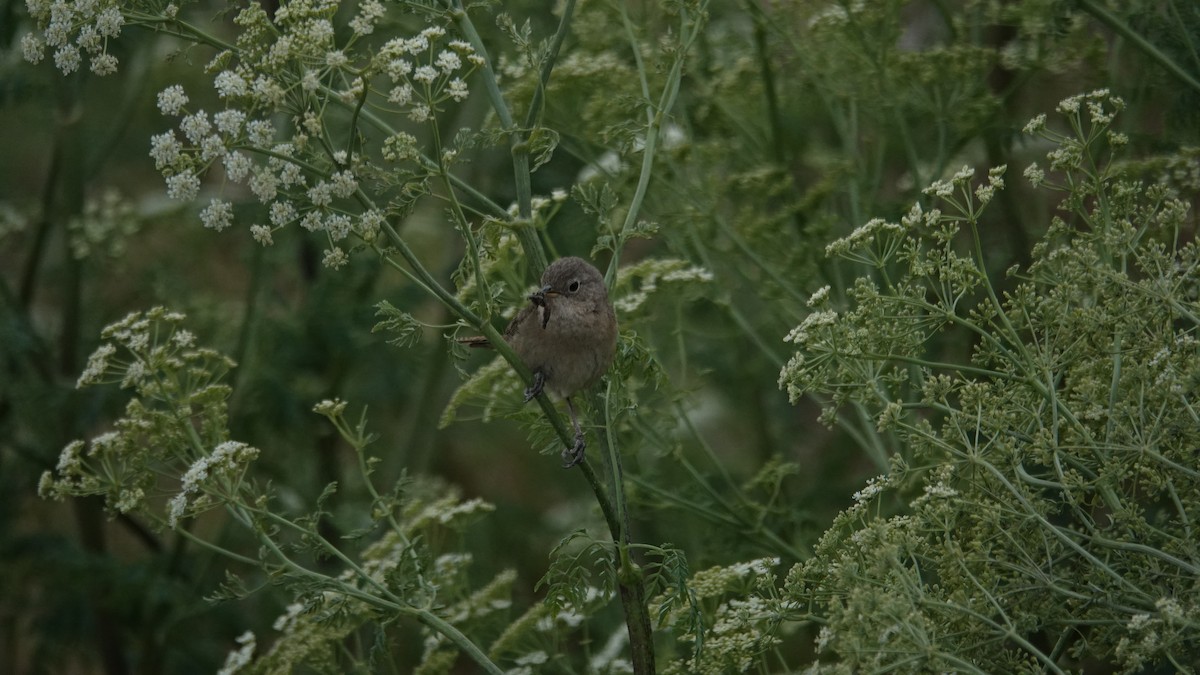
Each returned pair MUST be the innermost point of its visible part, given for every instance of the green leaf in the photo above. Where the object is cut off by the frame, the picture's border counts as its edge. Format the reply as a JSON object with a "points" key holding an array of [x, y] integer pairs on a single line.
{"points": [[403, 324], [542, 143]]}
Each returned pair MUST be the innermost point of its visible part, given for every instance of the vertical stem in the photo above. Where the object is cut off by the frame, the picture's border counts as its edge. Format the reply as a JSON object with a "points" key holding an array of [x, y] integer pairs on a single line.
{"points": [[517, 142], [1124, 30], [630, 581]]}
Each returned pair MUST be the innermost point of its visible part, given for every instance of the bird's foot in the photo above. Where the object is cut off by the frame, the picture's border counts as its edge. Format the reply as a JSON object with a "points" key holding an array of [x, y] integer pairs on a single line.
{"points": [[574, 455], [535, 388]]}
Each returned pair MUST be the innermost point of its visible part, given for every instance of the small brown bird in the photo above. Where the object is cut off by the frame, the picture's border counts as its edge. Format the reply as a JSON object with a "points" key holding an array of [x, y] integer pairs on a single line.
{"points": [[567, 336]]}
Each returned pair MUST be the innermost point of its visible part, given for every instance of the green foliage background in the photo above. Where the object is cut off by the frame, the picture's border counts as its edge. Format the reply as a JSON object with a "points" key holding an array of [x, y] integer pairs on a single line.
{"points": [[1001, 539]]}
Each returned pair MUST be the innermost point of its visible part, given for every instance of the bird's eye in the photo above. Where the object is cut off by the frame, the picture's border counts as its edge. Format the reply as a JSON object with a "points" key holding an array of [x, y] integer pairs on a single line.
{"points": [[574, 286]]}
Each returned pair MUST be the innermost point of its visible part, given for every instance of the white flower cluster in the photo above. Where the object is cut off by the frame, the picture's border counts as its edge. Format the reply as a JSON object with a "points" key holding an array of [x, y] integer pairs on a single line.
{"points": [[292, 63], [945, 188], [134, 334], [105, 226], [651, 273], [714, 581], [862, 236], [279, 182], [1068, 153], [873, 487], [72, 30], [227, 459], [800, 334], [424, 75], [1094, 101], [240, 657], [985, 191]]}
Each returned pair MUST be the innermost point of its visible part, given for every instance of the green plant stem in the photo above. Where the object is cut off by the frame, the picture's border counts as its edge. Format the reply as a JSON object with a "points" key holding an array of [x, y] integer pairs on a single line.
{"points": [[464, 225], [205, 544], [630, 580], [606, 507], [655, 115], [1124, 30], [388, 603], [1064, 535], [533, 117], [614, 459], [518, 144]]}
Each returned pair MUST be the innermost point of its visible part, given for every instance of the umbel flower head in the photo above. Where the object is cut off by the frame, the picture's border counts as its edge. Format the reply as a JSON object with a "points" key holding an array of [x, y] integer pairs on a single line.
{"points": [[172, 438], [278, 85], [73, 31]]}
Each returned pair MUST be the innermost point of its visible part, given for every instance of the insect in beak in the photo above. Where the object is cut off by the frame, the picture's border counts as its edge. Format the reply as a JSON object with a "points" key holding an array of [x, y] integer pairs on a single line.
{"points": [[538, 298]]}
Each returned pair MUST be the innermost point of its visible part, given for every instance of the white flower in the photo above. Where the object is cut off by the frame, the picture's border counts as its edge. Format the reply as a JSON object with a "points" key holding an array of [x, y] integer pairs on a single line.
{"points": [[414, 45], [229, 122], [183, 186], [344, 184], [104, 64], [165, 150], [70, 459], [290, 175], [212, 147], [420, 113], [237, 166], [32, 48], [178, 507], [320, 31], [66, 59], [96, 366], [940, 188], [312, 221], [448, 62], [1035, 175], [229, 84], [282, 213], [260, 133], [370, 223], [1036, 124], [457, 89], [874, 486], [218, 215], [286, 621], [264, 185], [311, 81], [321, 194], [819, 296], [426, 74], [336, 59], [109, 22], [335, 258], [800, 334], [401, 95], [89, 39], [338, 226], [397, 69], [261, 234], [239, 658], [268, 91], [195, 126]]}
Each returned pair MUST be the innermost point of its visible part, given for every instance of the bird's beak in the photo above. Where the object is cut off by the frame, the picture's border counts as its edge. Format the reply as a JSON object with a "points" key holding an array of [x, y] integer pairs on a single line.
{"points": [[549, 291], [539, 297]]}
